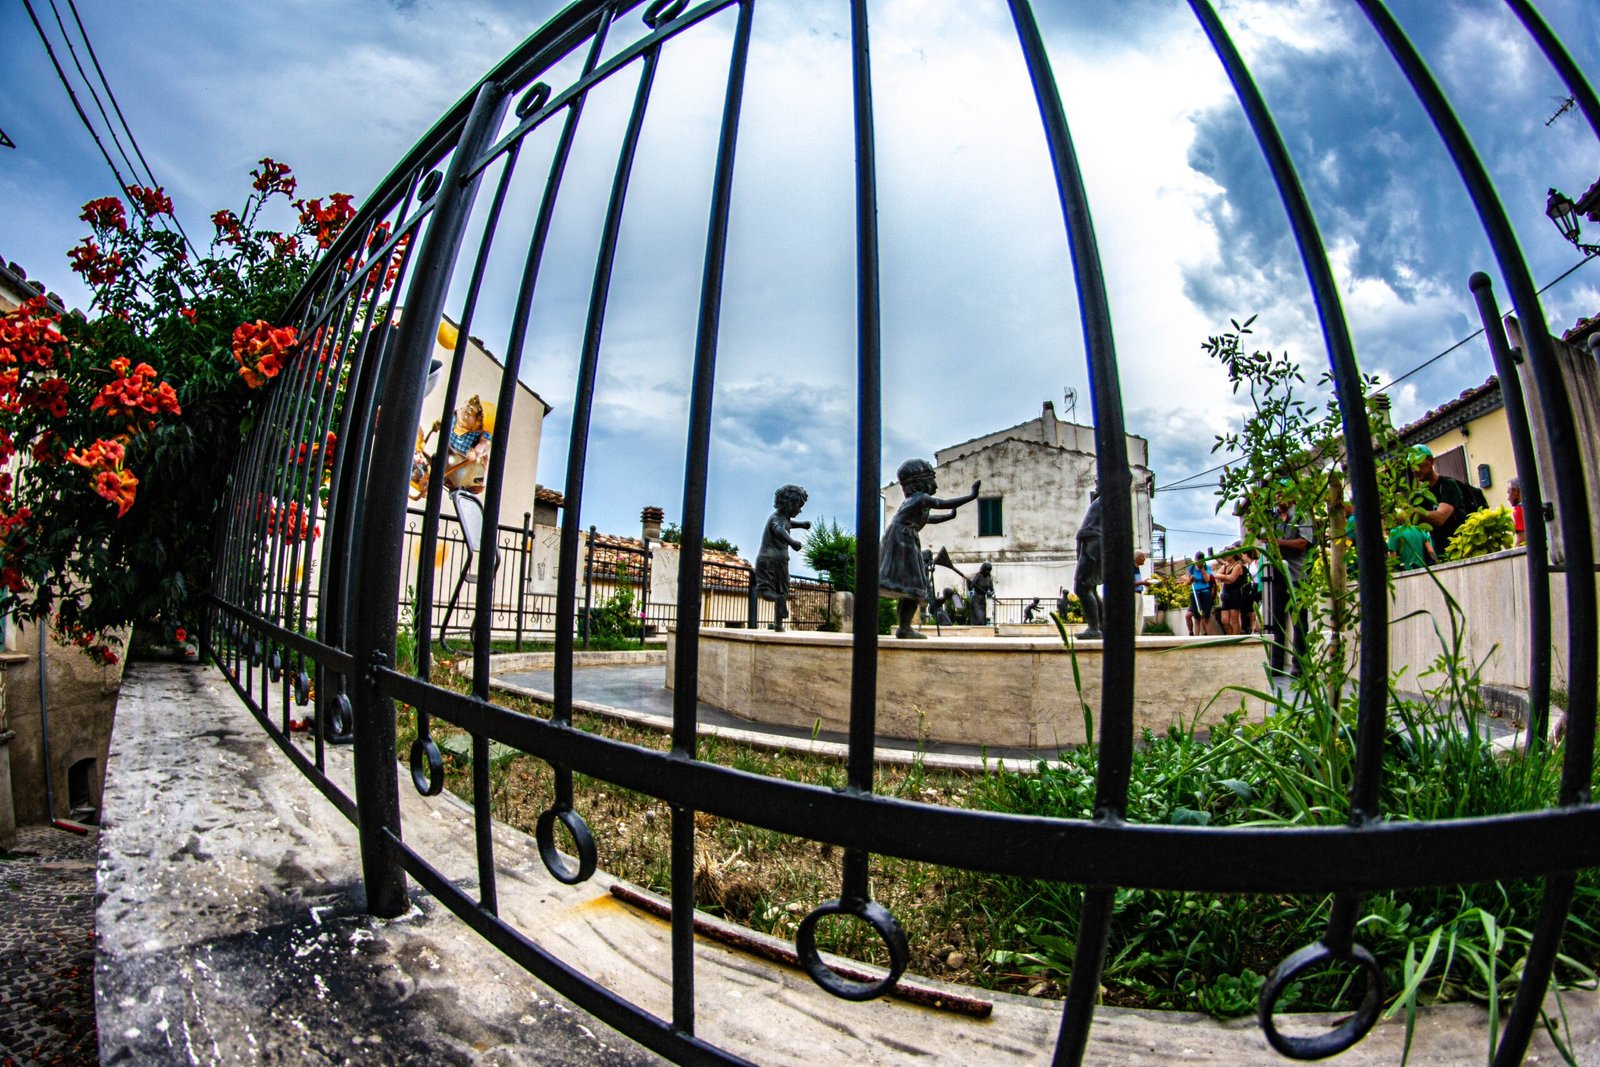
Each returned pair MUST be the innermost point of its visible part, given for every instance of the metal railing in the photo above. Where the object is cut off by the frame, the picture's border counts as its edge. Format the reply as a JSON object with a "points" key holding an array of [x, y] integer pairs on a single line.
{"points": [[427, 232]]}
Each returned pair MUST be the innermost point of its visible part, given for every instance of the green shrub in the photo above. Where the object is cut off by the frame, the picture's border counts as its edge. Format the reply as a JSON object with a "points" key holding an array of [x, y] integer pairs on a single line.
{"points": [[1484, 531]]}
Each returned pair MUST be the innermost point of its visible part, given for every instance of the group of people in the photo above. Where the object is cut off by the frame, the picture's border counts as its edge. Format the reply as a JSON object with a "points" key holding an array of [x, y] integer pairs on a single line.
{"points": [[1224, 592]]}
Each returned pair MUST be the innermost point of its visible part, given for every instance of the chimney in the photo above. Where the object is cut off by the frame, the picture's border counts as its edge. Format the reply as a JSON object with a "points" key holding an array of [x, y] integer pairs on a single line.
{"points": [[1049, 424], [650, 518]]}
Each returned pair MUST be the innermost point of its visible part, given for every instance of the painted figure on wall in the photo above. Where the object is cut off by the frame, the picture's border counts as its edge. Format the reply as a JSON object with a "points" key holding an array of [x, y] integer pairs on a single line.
{"points": [[772, 562], [900, 574], [467, 462]]}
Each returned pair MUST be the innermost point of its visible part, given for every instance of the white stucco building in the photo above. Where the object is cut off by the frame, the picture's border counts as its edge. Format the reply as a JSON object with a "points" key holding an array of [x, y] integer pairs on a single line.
{"points": [[1036, 480]]}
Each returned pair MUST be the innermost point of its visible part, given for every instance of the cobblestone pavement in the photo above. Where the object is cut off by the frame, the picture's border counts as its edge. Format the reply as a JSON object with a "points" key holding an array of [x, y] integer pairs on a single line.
{"points": [[47, 949]]}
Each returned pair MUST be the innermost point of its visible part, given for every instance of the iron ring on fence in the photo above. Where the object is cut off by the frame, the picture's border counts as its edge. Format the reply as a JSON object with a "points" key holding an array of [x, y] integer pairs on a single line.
{"points": [[582, 842], [883, 923], [1314, 955], [426, 750]]}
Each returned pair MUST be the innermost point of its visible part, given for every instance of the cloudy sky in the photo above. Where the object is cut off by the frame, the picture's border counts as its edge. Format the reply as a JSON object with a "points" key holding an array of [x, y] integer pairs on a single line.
{"points": [[980, 322]]}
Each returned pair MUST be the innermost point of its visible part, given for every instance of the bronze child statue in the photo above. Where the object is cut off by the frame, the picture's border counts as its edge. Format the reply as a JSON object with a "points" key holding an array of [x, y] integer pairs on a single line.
{"points": [[1086, 579], [772, 562], [900, 573], [980, 590]]}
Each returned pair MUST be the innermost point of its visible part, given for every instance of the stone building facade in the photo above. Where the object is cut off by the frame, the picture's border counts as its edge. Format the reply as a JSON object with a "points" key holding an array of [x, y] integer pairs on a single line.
{"points": [[1036, 481]]}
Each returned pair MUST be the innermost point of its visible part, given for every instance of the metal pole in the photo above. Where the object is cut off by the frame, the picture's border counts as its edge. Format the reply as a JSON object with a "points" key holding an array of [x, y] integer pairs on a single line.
{"points": [[753, 609], [522, 575], [644, 593], [588, 590], [44, 730]]}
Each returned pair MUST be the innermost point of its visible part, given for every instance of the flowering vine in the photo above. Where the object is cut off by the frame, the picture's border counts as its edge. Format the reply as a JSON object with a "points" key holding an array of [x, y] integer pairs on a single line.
{"points": [[127, 420]]}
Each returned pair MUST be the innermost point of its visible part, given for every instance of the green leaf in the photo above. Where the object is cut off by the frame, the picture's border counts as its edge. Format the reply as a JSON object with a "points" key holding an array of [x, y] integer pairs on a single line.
{"points": [[1238, 788]]}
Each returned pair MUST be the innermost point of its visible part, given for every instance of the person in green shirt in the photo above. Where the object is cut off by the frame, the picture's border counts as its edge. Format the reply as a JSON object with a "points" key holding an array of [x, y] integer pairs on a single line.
{"points": [[1412, 545]]}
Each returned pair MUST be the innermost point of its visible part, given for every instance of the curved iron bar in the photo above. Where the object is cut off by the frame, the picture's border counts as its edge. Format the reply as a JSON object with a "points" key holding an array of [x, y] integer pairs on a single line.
{"points": [[1329, 859], [582, 840], [433, 494], [1538, 549], [582, 409], [1559, 58], [1572, 507], [691, 558], [1115, 765], [855, 891], [1372, 692], [354, 635]]}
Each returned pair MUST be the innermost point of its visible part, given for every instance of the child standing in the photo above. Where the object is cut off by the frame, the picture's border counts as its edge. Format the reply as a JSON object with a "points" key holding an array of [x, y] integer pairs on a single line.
{"points": [[900, 574], [772, 562]]}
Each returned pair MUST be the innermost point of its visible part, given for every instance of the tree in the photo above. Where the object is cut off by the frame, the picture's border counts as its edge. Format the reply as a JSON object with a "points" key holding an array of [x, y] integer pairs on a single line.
{"points": [[672, 534], [831, 551]]}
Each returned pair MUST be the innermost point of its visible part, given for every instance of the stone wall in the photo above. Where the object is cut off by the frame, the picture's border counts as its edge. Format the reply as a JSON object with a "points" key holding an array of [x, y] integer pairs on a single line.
{"points": [[82, 700], [1491, 593], [1006, 691]]}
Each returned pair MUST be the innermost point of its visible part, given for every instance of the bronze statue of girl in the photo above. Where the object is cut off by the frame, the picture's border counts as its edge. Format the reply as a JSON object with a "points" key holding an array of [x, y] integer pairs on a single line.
{"points": [[900, 573]]}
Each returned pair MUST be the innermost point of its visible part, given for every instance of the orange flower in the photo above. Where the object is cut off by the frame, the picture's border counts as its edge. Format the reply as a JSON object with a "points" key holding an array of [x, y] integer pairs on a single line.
{"points": [[105, 214], [100, 268], [261, 349], [135, 391], [102, 453], [272, 177], [327, 221], [152, 201], [117, 486]]}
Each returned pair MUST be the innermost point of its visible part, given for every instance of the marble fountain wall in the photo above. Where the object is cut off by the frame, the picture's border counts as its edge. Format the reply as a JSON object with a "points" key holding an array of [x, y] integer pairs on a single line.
{"points": [[970, 689]]}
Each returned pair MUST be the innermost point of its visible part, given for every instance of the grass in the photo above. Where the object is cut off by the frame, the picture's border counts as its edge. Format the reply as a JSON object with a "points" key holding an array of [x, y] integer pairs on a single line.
{"points": [[1189, 951]]}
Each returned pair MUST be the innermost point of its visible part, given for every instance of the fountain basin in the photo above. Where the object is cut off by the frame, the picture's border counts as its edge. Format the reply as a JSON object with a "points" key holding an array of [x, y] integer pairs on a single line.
{"points": [[972, 690]]}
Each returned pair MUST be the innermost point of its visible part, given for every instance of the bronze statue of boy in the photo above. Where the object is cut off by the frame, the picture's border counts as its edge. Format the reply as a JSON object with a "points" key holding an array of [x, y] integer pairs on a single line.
{"points": [[772, 562]]}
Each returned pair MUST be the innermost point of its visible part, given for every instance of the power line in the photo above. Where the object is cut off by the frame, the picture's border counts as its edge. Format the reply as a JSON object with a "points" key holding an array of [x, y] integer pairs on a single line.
{"points": [[51, 52], [1191, 477], [1179, 485], [115, 106], [1478, 332], [88, 84]]}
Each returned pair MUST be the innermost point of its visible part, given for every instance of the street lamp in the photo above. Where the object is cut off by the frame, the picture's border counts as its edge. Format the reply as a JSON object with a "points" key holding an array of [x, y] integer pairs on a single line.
{"points": [[1564, 213]]}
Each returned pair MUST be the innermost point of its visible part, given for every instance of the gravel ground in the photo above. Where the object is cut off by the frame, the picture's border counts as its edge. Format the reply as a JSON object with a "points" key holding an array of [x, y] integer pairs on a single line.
{"points": [[47, 949]]}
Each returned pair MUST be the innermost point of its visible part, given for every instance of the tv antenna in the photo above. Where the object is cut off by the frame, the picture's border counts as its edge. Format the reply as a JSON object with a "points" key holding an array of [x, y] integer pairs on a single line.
{"points": [[1567, 104], [1069, 397]]}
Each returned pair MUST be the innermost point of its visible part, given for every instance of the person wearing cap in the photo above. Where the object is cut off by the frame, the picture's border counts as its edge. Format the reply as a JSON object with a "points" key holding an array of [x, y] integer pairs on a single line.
{"points": [[1514, 498], [1452, 499], [1293, 538]]}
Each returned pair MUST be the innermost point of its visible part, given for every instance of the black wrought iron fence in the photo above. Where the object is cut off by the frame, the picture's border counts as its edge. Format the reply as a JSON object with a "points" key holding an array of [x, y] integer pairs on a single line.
{"points": [[419, 236]]}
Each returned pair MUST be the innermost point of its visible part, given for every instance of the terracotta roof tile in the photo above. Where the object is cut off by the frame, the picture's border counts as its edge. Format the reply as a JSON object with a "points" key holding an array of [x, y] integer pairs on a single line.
{"points": [[1467, 396], [1589, 203]]}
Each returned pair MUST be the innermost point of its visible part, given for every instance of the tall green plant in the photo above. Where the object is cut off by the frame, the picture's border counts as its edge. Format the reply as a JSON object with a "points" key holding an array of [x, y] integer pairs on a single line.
{"points": [[1290, 445]]}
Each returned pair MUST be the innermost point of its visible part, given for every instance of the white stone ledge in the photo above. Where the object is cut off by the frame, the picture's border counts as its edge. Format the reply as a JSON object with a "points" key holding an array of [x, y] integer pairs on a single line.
{"points": [[231, 930]]}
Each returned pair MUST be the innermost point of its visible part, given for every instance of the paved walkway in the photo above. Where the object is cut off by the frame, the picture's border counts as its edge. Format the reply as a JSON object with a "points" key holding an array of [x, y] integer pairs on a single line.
{"points": [[47, 949]]}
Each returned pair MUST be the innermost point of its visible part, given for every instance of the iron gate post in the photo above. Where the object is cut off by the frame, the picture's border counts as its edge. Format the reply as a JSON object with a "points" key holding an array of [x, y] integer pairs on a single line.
{"points": [[379, 559]]}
